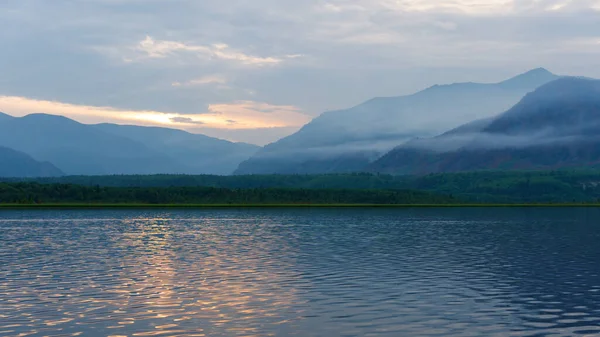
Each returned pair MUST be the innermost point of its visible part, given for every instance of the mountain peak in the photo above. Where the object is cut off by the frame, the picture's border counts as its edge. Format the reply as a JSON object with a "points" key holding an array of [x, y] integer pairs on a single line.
{"points": [[44, 115], [537, 72], [531, 79], [49, 118]]}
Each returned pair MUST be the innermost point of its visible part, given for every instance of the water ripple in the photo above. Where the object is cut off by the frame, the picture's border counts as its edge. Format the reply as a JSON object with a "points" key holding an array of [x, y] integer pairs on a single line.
{"points": [[344, 272]]}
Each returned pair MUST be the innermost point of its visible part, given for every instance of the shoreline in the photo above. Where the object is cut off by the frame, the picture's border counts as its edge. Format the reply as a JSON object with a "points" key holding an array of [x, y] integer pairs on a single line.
{"points": [[208, 206]]}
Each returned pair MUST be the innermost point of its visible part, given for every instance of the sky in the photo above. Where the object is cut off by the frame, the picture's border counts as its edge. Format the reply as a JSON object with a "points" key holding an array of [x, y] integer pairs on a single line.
{"points": [[257, 70]]}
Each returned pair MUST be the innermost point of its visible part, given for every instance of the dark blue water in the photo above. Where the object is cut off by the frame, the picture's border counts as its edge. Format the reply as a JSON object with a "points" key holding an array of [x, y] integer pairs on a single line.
{"points": [[335, 272]]}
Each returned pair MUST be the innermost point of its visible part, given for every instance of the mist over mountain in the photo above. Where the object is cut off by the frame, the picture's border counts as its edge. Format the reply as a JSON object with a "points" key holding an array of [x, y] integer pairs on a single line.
{"points": [[550, 122], [556, 126], [77, 148], [569, 106], [18, 164], [349, 140]]}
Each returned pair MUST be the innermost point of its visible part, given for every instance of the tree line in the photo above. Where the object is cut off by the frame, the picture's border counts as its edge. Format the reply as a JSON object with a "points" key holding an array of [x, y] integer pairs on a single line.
{"points": [[37, 193], [560, 186]]}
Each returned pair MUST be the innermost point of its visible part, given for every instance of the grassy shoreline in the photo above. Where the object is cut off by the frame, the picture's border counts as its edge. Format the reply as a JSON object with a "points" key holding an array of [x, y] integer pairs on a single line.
{"points": [[205, 206]]}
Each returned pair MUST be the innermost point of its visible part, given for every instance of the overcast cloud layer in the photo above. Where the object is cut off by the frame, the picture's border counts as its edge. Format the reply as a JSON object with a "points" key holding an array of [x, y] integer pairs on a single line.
{"points": [[256, 70]]}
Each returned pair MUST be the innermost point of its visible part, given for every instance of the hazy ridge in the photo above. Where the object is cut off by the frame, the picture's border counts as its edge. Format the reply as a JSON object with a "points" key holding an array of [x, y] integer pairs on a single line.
{"points": [[536, 120], [349, 140], [19, 164], [77, 148], [556, 126]]}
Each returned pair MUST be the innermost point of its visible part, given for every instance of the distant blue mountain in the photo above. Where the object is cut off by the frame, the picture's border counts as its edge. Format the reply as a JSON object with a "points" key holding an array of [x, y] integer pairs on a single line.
{"points": [[80, 149], [349, 140], [198, 153], [18, 164], [556, 126]]}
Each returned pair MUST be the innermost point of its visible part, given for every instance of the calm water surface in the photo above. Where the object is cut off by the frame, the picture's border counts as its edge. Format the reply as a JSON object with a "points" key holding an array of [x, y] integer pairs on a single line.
{"points": [[335, 272]]}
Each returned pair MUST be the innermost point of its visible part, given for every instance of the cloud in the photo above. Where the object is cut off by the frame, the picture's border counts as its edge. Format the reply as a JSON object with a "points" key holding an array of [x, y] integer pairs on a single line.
{"points": [[159, 49], [372, 149], [181, 56], [490, 141], [472, 7], [219, 80], [237, 115], [463, 7], [250, 114], [185, 120]]}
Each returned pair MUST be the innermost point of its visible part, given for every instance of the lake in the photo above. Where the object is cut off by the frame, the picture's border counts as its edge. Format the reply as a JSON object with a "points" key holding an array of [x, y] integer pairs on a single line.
{"points": [[303, 272]]}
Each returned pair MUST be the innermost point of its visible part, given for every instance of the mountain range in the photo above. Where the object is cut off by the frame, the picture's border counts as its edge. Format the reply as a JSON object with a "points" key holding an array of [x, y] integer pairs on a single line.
{"points": [[536, 120], [556, 126], [81, 149], [349, 140], [195, 153]]}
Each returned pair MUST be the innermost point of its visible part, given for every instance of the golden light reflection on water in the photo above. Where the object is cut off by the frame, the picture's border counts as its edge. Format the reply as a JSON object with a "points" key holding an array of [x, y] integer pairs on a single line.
{"points": [[152, 278], [300, 272], [215, 284]]}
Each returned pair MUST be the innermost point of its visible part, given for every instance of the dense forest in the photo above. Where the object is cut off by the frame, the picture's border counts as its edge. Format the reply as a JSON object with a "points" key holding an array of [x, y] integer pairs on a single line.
{"points": [[36, 193], [325, 181], [560, 186], [514, 187]]}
